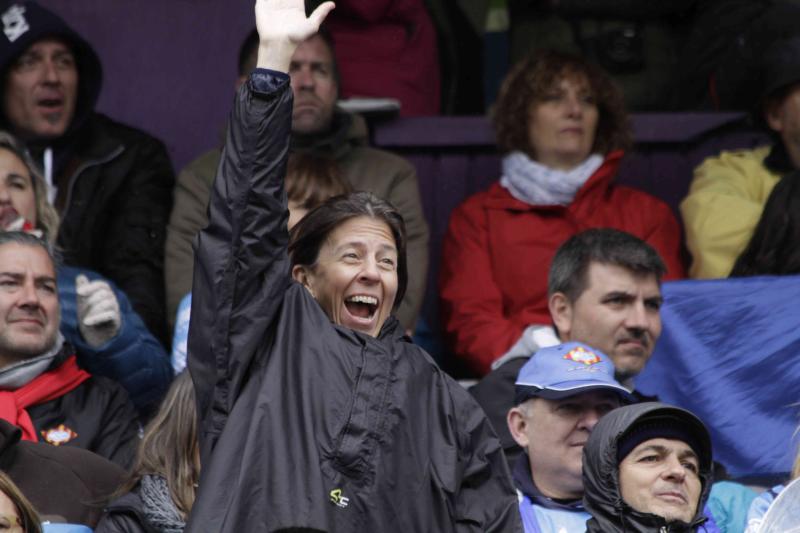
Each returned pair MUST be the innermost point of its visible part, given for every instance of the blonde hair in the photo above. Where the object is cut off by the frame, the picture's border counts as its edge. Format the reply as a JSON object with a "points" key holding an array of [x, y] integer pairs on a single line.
{"points": [[46, 215], [31, 523], [170, 448]]}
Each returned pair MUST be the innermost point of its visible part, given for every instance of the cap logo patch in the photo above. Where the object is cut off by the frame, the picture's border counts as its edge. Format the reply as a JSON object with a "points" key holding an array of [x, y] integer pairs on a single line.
{"points": [[14, 23], [59, 435], [581, 355]]}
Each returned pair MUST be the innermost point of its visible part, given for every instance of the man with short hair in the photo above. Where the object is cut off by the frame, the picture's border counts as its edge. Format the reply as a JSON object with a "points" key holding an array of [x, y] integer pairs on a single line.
{"points": [[321, 130], [648, 467], [604, 291], [111, 184], [560, 395], [42, 390]]}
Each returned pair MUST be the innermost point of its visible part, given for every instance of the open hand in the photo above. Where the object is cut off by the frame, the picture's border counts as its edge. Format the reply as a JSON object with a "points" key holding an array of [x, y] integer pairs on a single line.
{"points": [[286, 21]]}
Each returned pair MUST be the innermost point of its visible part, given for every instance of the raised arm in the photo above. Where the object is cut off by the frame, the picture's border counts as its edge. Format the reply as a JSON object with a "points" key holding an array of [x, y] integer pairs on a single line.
{"points": [[241, 266]]}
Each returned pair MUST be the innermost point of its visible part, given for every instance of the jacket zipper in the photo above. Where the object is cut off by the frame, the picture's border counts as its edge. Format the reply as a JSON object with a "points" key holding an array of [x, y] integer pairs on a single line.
{"points": [[88, 164]]}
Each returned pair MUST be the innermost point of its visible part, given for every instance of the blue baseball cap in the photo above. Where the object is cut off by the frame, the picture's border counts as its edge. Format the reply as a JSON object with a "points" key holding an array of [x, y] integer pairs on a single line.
{"points": [[565, 370]]}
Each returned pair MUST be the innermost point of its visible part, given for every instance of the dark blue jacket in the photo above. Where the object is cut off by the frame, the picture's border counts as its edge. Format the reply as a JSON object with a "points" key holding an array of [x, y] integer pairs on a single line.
{"points": [[134, 358]]}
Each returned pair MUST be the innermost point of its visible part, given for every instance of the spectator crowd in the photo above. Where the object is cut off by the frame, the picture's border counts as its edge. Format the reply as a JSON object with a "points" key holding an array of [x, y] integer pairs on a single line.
{"points": [[237, 346]]}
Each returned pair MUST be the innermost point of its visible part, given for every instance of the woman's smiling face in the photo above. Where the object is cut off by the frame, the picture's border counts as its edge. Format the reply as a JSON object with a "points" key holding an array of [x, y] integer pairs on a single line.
{"points": [[355, 276]]}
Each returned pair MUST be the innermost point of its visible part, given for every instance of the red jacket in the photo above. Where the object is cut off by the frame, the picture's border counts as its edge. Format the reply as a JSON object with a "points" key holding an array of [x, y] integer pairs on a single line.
{"points": [[387, 48], [497, 254]]}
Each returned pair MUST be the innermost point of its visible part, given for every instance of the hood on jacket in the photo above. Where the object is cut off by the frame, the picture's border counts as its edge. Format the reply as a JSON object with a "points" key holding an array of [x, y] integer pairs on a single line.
{"points": [[25, 23], [602, 497]]}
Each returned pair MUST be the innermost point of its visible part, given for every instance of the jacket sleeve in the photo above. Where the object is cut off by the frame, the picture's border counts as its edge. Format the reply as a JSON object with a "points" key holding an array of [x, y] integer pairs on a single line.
{"points": [[404, 196], [135, 258], [471, 302], [486, 500], [119, 437], [189, 215], [725, 201], [241, 264], [133, 358]]}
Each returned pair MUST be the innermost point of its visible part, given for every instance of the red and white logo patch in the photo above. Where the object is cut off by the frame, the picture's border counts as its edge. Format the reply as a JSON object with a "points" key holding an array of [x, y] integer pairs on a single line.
{"points": [[582, 355], [59, 435]]}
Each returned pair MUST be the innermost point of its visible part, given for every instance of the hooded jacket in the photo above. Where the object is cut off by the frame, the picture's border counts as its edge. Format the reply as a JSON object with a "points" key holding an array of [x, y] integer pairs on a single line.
{"points": [[602, 497], [365, 168], [305, 423], [114, 182]]}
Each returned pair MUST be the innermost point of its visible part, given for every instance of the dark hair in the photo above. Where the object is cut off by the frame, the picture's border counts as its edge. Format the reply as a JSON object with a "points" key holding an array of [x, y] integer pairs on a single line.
{"points": [[603, 245], [769, 104], [308, 235], [529, 81], [312, 179], [248, 52], [28, 239], [774, 247]]}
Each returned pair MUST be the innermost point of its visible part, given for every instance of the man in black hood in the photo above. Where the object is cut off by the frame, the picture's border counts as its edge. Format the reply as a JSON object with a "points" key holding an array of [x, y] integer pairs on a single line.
{"points": [[111, 184], [647, 467]]}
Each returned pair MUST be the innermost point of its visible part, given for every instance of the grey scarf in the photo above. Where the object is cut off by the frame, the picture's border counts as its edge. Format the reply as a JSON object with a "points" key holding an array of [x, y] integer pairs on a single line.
{"points": [[533, 183], [23, 372], [159, 510]]}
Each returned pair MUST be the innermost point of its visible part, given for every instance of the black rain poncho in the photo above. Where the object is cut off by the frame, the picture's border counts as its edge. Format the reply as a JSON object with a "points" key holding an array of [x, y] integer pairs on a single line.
{"points": [[305, 423]]}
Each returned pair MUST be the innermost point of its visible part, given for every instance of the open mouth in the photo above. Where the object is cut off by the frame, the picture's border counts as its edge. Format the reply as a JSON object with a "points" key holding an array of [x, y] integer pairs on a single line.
{"points": [[8, 215], [50, 103], [361, 306]]}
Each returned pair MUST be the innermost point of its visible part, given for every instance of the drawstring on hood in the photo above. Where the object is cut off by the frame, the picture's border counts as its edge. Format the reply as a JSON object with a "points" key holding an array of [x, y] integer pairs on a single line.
{"points": [[25, 23]]}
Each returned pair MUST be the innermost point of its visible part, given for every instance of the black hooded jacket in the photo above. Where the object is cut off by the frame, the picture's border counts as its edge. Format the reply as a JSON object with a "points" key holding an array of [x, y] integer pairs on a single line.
{"points": [[306, 423], [114, 182], [601, 496]]}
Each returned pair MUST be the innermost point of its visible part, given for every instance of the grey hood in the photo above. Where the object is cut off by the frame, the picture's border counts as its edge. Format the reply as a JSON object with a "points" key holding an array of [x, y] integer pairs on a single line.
{"points": [[602, 498]]}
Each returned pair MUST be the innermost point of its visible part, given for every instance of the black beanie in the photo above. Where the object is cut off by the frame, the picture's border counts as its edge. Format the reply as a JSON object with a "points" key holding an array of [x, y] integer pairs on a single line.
{"points": [[664, 427], [25, 23]]}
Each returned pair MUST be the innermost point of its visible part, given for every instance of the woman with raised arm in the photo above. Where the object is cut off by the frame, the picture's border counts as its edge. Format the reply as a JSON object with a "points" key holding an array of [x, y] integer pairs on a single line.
{"points": [[315, 410]]}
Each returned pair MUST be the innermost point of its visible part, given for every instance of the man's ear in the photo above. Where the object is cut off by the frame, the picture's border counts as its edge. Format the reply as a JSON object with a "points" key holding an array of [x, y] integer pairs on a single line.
{"points": [[561, 312], [517, 424], [304, 276]]}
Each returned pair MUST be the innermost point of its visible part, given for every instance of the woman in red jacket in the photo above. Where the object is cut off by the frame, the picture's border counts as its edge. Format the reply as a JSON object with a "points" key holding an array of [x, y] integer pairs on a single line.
{"points": [[561, 123]]}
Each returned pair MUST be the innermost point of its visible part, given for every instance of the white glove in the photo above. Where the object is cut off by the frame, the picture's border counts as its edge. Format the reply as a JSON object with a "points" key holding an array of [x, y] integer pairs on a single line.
{"points": [[99, 317]]}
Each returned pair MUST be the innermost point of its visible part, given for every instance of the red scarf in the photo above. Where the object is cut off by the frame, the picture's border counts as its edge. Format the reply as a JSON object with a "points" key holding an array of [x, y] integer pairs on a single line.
{"points": [[45, 387]]}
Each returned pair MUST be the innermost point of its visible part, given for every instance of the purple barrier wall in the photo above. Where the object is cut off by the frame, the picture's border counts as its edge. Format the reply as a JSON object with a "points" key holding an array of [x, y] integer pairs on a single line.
{"points": [[169, 65]]}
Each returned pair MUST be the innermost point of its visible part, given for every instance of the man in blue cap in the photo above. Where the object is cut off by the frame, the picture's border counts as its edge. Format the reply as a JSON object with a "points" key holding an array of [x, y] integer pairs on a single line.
{"points": [[560, 394]]}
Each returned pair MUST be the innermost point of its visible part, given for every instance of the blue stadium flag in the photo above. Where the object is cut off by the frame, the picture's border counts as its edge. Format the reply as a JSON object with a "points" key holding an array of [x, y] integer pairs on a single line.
{"points": [[730, 353]]}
